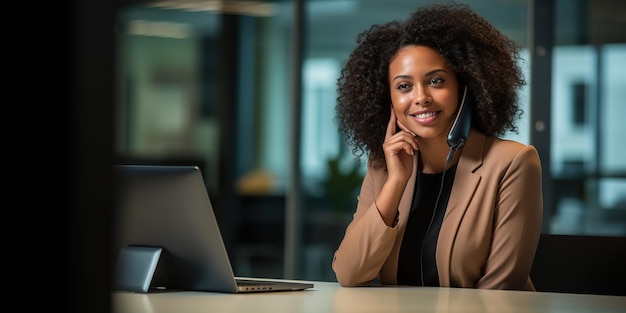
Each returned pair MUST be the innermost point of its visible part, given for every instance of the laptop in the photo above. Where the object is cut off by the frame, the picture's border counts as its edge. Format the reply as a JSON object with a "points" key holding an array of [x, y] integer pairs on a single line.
{"points": [[166, 233]]}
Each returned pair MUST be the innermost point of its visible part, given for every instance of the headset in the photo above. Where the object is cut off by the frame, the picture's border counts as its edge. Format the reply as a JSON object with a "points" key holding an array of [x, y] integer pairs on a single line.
{"points": [[461, 126]]}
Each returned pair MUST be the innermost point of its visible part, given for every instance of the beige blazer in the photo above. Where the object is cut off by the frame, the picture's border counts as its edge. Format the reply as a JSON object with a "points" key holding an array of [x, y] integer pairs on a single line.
{"points": [[489, 232]]}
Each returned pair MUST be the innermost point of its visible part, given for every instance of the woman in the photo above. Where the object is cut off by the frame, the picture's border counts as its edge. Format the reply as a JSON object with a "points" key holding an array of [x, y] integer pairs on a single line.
{"points": [[464, 212]]}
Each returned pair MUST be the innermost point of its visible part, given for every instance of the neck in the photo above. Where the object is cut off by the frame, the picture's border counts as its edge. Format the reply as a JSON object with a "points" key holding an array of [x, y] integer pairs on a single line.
{"points": [[433, 159]]}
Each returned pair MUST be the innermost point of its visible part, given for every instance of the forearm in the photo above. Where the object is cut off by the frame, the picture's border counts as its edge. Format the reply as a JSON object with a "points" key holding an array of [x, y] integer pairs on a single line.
{"points": [[366, 245], [368, 240], [388, 199]]}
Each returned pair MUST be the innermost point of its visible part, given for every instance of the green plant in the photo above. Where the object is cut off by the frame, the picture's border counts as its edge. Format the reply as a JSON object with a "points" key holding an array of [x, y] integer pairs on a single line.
{"points": [[341, 186]]}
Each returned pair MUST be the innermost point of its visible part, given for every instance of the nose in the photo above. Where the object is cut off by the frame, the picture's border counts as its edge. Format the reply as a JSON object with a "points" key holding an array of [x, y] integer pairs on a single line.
{"points": [[421, 96]]}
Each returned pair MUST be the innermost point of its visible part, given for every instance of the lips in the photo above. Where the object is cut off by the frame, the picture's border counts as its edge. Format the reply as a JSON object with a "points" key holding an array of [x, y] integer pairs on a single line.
{"points": [[425, 118], [424, 115]]}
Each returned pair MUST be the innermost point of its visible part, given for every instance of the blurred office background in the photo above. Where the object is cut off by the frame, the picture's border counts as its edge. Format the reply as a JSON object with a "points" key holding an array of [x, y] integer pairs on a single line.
{"points": [[246, 90]]}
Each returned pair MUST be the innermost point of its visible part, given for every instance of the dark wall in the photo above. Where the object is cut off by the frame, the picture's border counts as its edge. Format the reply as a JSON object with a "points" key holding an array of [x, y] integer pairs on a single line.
{"points": [[86, 194]]}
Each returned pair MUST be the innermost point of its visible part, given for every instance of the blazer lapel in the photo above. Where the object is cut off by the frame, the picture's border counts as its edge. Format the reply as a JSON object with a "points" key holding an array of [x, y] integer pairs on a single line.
{"points": [[465, 183]]}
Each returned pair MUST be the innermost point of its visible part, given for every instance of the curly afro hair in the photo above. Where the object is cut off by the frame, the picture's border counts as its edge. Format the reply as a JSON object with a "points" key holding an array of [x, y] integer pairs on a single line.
{"points": [[483, 58]]}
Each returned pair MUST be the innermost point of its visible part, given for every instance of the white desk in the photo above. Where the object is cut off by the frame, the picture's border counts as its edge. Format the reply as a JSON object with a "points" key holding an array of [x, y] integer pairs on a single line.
{"points": [[330, 297]]}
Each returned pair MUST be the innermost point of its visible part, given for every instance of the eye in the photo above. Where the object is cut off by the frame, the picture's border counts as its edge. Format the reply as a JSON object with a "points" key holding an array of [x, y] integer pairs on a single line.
{"points": [[403, 86], [435, 81]]}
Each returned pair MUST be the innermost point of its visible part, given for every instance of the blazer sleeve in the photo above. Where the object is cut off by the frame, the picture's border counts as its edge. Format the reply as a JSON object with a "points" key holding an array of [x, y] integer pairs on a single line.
{"points": [[367, 241], [517, 224]]}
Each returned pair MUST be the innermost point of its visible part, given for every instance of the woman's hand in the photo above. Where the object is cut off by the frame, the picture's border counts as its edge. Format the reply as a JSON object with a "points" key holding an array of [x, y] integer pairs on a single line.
{"points": [[399, 148]]}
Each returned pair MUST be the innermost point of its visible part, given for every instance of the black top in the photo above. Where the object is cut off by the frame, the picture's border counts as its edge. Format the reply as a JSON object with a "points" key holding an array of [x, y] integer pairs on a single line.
{"points": [[419, 244]]}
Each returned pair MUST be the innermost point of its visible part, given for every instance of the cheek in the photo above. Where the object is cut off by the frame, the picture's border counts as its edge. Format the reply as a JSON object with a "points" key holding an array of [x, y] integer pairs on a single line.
{"points": [[401, 106], [400, 100]]}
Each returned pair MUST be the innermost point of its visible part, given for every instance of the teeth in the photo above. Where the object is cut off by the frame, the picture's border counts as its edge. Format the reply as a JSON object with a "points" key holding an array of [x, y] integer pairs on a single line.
{"points": [[425, 115]]}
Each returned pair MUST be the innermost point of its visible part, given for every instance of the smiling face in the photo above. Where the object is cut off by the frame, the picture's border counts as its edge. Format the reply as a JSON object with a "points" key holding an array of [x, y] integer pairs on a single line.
{"points": [[424, 92]]}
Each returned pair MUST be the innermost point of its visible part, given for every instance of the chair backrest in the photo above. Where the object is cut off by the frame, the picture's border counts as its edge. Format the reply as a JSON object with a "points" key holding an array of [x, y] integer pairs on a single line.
{"points": [[580, 264]]}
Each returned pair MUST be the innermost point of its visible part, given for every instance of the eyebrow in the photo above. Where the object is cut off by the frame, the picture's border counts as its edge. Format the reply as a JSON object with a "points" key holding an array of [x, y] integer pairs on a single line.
{"points": [[427, 74]]}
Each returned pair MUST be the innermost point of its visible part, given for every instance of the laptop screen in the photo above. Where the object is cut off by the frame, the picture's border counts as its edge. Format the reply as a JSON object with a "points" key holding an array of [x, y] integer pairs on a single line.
{"points": [[169, 207]]}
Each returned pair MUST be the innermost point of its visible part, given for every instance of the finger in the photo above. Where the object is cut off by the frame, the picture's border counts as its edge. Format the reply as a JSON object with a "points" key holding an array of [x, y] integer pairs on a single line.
{"points": [[391, 126], [402, 141]]}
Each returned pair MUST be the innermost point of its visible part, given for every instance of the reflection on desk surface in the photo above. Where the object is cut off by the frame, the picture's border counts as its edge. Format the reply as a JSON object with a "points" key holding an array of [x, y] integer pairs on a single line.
{"points": [[330, 297]]}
